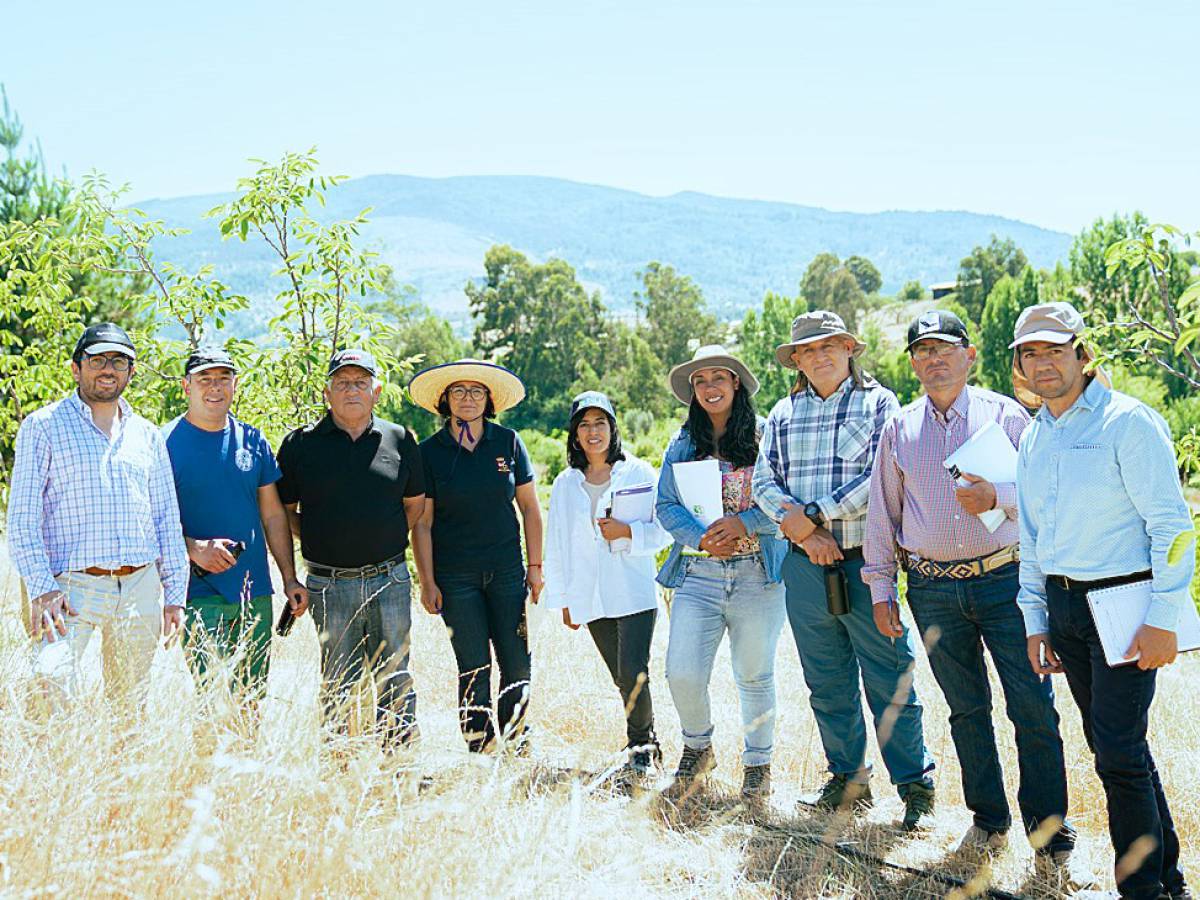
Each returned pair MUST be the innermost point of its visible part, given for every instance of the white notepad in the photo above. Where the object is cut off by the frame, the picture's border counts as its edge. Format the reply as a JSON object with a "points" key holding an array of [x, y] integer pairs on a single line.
{"points": [[1120, 611]]}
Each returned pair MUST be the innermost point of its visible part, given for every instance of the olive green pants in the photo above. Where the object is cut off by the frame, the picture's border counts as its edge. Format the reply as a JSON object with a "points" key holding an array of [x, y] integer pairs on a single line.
{"points": [[216, 627]]}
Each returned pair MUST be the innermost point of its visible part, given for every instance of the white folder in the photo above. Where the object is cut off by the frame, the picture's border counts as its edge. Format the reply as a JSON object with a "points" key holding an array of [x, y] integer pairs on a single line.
{"points": [[699, 486], [989, 454], [1120, 611]]}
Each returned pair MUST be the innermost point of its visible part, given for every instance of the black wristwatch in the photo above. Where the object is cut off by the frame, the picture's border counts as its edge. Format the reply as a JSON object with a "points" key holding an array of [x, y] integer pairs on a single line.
{"points": [[813, 511]]}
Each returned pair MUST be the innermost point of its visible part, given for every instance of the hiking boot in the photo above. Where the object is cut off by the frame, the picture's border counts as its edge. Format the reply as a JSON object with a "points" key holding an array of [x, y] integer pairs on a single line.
{"points": [[1056, 870], [694, 764], [756, 783], [842, 793], [918, 804], [643, 758], [982, 842]]}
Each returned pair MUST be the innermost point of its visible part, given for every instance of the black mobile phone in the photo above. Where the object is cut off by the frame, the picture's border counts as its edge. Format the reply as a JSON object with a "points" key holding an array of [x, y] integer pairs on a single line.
{"points": [[235, 548]]}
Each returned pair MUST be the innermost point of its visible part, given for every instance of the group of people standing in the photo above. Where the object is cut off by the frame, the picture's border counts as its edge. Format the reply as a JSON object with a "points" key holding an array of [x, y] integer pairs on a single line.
{"points": [[825, 502]]}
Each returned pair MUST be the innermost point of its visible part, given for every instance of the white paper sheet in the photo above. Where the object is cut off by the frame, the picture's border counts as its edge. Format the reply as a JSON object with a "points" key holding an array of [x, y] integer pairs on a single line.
{"points": [[634, 504], [1120, 611], [699, 486], [989, 454]]}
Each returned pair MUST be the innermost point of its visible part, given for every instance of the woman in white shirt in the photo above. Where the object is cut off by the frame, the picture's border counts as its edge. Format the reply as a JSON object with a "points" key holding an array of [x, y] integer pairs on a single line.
{"points": [[599, 571]]}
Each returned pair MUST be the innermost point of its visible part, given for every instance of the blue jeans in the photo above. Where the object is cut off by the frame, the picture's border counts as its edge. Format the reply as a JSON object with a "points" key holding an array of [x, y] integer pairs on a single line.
{"points": [[365, 622], [1115, 705], [835, 652], [716, 596], [485, 614], [957, 618]]}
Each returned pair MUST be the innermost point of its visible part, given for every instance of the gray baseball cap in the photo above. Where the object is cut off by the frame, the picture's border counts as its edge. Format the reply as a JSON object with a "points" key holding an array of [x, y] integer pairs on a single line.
{"points": [[589, 400], [1055, 323]]}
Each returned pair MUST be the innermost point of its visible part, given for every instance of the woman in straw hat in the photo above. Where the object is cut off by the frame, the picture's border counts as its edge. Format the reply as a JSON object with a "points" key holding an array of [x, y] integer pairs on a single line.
{"points": [[726, 574], [600, 568], [475, 577]]}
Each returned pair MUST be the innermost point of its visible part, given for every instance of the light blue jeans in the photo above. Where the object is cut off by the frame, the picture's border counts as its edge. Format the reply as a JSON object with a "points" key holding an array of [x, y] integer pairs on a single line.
{"points": [[718, 596]]}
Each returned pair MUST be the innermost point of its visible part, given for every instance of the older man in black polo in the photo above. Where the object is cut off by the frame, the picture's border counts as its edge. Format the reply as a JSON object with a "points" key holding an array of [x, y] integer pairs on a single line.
{"points": [[353, 485]]}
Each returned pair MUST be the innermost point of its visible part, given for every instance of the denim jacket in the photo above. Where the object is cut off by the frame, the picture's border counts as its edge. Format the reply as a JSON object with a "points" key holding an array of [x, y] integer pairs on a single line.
{"points": [[687, 531]]}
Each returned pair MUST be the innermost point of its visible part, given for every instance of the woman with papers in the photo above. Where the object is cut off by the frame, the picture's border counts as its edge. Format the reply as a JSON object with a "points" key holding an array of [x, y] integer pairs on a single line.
{"points": [[600, 548], [724, 565]]}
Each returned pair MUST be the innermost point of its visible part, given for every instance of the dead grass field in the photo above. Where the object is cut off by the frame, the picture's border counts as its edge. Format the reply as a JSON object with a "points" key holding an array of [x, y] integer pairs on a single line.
{"points": [[183, 798]]}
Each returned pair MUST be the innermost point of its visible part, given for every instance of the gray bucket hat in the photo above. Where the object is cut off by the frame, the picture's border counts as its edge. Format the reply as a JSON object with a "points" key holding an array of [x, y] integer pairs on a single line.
{"points": [[815, 326], [714, 356]]}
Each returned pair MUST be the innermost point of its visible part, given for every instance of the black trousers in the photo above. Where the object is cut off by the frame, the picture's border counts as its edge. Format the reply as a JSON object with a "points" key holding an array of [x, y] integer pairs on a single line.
{"points": [[624, 643]]}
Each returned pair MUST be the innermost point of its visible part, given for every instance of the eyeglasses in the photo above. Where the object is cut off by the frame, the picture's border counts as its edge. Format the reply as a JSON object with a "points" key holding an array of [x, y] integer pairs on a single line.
{"points": [[458, 392], [100, 363], [937, 348]]}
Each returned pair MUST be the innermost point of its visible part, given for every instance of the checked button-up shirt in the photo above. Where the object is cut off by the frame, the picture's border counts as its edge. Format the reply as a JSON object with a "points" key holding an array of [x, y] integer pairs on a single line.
{"points": [[80, 498], [821, 451]]}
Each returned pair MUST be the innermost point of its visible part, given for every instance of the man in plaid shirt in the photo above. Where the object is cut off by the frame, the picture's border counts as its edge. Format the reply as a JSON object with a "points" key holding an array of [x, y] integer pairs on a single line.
{"points": [[962, 589], [813, 477], [93, 523]]}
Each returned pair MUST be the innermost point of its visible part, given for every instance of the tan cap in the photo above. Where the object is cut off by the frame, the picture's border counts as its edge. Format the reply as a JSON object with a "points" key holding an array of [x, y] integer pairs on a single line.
{"points": [[1056, 323], [814, 326]]}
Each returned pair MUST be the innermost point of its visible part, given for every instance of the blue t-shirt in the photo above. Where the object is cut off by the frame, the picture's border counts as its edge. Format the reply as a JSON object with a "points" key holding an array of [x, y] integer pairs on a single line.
{"points": [[217, 477]]}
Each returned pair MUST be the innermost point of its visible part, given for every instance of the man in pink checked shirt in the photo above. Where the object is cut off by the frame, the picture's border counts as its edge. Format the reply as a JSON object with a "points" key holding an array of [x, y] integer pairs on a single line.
{"points": [[962, 589]]}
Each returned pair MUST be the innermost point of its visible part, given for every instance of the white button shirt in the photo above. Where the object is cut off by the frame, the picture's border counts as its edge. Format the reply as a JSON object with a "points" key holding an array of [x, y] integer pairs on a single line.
{"points": [[583, 572]]}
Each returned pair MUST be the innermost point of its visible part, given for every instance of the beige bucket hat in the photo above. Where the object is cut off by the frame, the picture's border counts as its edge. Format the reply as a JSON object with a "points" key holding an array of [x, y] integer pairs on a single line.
{"points": [[815, 326], [428, 385], [714, 356]]}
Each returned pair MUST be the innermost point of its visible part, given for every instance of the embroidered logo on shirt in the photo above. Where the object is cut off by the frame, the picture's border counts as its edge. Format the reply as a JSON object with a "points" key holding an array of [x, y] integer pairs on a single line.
{"points": [[502, 465], [244, 459]]}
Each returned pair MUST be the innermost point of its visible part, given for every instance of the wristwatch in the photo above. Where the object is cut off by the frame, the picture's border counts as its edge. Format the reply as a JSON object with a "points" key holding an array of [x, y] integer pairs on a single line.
{"points": [[813, 511]]}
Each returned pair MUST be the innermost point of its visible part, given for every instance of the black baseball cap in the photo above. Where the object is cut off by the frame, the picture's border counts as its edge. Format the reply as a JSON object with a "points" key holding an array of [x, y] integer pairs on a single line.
{"points": [[940, 325], [208, 358], [104, 337], [353, 356], [590, 399]]}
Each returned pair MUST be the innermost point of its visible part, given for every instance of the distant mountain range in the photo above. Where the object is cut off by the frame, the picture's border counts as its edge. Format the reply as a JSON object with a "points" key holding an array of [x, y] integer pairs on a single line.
{"points": [[435, 231]]}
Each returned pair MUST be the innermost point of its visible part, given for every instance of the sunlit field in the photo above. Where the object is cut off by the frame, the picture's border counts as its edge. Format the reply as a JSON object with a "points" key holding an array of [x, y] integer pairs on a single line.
{"points": [[187, 797]]}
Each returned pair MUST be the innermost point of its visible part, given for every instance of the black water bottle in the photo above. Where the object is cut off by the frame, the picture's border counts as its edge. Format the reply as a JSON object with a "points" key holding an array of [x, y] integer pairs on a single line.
{"points": [[837, 598]]}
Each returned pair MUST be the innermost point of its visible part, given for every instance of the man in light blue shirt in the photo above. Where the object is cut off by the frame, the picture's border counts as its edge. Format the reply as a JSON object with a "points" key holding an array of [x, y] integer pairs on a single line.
{"points": [[1099, 505]]}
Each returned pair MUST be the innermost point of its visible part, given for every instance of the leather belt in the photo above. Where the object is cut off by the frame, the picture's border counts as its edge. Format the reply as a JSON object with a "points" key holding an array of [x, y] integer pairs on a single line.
{"points": [[112, 573], [1074, 584], [960, 568], [847, 552], [336, 572]]}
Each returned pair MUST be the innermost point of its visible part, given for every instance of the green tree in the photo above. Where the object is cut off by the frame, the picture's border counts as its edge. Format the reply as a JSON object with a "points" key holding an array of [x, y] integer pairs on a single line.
{"points": [[912, 290], [982, 268], [829, 284], [1004, 305], [889, 364], [633, 374], [675, 314], [538, 320], [865, 273], [760, 333]]}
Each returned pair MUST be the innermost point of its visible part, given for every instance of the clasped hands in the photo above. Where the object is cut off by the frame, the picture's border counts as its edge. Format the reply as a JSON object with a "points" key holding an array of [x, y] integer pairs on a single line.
{"points": [[820, 546]]}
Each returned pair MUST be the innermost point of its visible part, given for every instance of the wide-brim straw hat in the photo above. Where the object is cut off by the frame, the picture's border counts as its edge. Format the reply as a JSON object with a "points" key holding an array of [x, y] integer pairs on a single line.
{"points": [[428, 385], [714, 356], [815, 326]]}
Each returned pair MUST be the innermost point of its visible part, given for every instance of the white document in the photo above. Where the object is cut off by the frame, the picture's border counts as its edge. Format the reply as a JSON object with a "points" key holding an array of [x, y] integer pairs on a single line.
{"points": [[989, 454], [634, 504], [699, 485], [1120, 611]]}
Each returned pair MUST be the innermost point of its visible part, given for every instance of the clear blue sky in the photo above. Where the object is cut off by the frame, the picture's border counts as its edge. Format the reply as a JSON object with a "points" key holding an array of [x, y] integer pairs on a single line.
{"points": [[1052, 112]]}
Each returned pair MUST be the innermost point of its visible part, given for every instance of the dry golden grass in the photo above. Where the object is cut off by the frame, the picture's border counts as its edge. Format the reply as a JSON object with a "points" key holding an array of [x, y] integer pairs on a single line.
{"points": [[187, 798]]}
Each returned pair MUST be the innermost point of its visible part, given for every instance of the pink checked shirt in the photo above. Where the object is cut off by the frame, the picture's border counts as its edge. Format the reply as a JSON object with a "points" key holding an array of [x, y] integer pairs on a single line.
{"points": [[912, 495]]}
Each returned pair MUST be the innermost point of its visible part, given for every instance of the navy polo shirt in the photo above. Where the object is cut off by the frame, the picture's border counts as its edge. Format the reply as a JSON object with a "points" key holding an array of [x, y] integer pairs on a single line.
{"points": [[351, 492], [475, 524]]}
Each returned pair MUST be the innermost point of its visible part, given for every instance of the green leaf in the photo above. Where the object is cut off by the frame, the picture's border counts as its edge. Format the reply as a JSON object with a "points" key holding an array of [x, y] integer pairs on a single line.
{"points": [[1182, 543]]}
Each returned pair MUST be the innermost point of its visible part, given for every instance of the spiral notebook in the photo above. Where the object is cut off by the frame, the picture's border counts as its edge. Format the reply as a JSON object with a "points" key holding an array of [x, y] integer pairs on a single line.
{"points": [[1120, 611]]}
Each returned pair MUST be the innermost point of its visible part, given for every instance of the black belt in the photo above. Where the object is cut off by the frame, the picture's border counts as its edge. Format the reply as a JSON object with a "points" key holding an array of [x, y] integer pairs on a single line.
{"points": [[336, 572], [1074, 584], [847, 552]]}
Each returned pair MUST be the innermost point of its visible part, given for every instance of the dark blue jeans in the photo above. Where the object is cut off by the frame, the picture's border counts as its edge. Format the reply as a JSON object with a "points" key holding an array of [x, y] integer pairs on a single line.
{"points": [[1115, 704], [957, 618], [485, 614]]}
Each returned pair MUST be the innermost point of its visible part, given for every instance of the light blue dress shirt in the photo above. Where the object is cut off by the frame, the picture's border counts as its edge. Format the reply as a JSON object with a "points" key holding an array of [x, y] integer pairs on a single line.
{"points": [[1098, 497]]}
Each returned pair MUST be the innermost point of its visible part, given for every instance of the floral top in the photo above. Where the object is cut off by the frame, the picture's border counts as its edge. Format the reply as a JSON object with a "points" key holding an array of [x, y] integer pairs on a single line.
{"points": [[737, 496]]}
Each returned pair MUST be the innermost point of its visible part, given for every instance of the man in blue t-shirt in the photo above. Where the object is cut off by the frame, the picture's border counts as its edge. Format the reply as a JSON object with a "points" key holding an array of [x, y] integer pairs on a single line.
{"points": [[225, 478]]}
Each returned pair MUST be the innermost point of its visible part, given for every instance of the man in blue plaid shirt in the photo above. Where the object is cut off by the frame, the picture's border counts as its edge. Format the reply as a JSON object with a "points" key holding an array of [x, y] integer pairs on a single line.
{"points": [[813, 477]]}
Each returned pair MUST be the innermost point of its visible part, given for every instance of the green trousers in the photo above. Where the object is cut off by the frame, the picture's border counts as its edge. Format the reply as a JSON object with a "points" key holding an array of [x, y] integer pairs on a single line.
{"points": [[216, 627]]}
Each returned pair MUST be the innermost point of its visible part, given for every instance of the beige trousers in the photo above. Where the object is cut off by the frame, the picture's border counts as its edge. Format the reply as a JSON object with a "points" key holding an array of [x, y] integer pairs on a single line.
{"points": [[127, 612]]}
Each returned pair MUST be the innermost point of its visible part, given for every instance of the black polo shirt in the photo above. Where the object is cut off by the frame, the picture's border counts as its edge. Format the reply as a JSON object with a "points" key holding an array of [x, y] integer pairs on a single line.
{"points": [[475, 524], [351, 493]]}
